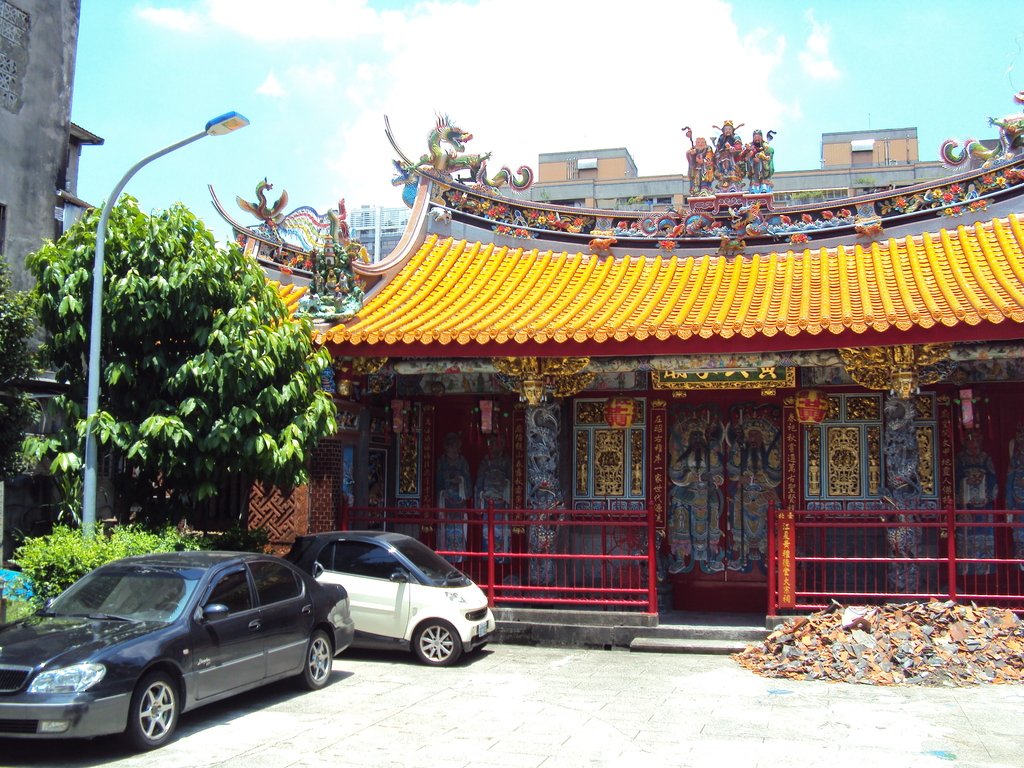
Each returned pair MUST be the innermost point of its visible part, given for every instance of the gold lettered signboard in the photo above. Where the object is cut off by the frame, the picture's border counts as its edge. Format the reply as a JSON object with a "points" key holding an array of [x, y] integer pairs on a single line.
{"points": [[763, 377], [787, 559]]}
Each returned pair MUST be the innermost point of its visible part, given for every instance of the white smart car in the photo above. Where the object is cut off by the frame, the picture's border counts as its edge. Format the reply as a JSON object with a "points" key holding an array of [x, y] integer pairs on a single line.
{"points": [[402, 594]]}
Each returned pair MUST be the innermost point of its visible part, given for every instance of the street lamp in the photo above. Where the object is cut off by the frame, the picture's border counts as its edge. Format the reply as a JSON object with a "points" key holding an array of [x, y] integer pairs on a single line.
{"points": [[218, 126]]}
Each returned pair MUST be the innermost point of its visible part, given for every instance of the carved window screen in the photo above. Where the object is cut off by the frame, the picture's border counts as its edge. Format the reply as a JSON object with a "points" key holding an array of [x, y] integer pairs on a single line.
{"points": [[843, 459], [608, 462]]}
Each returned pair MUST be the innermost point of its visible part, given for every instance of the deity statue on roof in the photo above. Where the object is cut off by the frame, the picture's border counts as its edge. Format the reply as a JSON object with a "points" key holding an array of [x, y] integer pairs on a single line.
{"points": [[758, 161], [700, 161], [727, 164], [728, 148]]}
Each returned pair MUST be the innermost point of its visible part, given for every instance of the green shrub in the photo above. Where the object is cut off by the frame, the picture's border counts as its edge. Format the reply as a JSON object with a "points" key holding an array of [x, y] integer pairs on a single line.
{"points": [[54, 562]]}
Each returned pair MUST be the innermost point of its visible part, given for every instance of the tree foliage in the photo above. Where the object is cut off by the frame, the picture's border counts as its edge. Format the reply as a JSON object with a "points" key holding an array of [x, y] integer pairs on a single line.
{"points": [[17, 410], [204, 374]]}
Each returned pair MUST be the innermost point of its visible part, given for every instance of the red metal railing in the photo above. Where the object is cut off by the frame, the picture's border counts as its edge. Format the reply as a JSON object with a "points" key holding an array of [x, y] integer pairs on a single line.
{"points": [[877, 556], [552, 558]]}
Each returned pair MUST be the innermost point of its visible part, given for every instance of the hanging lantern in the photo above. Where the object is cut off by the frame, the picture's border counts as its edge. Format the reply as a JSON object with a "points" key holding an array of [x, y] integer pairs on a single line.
{"points": [[487, 416], [399, 416], [618, 412], [811, 406]]}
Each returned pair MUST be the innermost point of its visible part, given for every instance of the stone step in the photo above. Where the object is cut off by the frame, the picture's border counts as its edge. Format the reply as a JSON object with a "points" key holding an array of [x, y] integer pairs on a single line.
{"points": [[704, 632], [720, 647]]}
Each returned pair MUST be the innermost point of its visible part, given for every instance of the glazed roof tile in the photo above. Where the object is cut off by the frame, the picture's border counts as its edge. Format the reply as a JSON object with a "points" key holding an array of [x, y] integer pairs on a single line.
{"points": [[290, 295], [453, 293]]}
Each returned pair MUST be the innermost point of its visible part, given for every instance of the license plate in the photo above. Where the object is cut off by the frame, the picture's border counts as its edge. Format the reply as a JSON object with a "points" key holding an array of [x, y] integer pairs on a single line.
{"points": [[481, 629]]}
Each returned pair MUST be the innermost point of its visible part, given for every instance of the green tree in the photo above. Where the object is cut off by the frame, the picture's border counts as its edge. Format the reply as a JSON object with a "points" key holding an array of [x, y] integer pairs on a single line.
{"points": [[17, 410], [204, 376]]}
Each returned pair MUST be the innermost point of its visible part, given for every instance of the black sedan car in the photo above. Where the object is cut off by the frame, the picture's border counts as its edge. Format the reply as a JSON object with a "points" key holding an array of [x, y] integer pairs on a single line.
{"points": [[138, 641]]}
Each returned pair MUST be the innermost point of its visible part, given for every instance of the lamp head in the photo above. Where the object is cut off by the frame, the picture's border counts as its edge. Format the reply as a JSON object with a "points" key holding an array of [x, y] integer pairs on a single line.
{"points": [[226, 123]]}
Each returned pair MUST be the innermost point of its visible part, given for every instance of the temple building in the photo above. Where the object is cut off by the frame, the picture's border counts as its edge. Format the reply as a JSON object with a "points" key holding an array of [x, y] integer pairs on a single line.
{"points": [[706, 365]]}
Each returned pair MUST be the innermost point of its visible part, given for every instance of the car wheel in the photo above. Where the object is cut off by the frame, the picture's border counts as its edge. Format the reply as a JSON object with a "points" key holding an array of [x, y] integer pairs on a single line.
{"points": [[153, 714], [316, 670], [437, 643]]}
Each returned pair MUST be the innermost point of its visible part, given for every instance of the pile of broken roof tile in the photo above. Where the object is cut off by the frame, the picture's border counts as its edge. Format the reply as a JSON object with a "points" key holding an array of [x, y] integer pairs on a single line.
{"points": [[924, 643]]}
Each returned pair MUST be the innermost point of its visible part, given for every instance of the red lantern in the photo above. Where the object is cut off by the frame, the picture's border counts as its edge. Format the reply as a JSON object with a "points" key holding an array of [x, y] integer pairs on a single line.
{"points": [[618, 412], [399, 416], [811, 406], [487, 416]]}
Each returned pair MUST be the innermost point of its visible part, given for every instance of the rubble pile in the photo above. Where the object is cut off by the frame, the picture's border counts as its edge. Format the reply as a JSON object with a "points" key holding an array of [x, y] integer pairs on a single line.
{"points": [[924, 643]]}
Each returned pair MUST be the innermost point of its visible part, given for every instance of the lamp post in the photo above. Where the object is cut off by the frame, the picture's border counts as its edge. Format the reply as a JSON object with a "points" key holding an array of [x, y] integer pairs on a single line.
{"points": [[216, 127]]}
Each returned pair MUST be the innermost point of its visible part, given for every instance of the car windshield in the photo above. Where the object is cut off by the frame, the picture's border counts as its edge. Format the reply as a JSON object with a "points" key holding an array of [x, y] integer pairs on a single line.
{"points": [[433, 566], [130, 594]]}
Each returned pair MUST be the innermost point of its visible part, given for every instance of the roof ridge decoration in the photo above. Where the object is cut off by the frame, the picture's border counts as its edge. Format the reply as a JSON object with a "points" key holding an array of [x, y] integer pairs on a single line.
{"points": [[1011, 142], [316, 246], [728, 164], [446, 156]]}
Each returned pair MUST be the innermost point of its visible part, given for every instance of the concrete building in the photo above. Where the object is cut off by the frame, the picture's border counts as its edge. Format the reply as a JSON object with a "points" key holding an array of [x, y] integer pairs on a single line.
{"points": [[378, 229], [39, 153], [39, 156]]}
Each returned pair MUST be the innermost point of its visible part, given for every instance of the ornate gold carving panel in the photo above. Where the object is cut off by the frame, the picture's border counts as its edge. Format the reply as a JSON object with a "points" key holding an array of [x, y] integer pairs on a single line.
{"points": [[926, 464], [636, 475], [609, 462], [842, 445], [874, 460], [814, 462], [833, 409], [582, 462], [924, 407], [589, 412], [408, 465], [866, 408]]}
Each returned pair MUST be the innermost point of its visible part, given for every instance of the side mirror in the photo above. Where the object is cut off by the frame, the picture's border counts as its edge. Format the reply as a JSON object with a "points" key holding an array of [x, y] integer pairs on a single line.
{"points": [[398, 576], [215, 611]]}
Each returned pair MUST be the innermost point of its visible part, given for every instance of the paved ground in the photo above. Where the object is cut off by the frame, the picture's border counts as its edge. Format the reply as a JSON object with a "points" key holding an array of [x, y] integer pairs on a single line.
{"points": [[524, 707]]}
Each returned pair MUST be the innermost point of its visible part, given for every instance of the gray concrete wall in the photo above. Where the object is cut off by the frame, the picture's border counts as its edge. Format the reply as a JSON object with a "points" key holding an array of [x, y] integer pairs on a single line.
{"points": [[38, 40]]}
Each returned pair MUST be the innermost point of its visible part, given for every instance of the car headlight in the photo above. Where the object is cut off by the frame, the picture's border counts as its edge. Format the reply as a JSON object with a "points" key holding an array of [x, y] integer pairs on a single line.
{"points": [[73, 679], [456, 597]]}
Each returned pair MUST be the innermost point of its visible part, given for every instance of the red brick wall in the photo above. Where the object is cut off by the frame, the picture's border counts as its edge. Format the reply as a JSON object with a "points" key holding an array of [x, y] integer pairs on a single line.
{"points": [[324, 490]]}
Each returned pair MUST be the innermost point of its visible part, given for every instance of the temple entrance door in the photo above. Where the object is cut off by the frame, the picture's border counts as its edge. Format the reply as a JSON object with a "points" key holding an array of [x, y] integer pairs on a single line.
{"points": [[724, 473]]}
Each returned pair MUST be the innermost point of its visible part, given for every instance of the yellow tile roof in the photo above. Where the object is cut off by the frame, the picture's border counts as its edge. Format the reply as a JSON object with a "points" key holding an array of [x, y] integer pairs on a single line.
{"points": [[454, 293], [290, 295]]}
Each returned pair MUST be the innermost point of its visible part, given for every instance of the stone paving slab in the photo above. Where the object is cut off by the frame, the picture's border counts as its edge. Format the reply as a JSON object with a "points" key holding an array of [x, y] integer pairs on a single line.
{"points": [[522, 707]]}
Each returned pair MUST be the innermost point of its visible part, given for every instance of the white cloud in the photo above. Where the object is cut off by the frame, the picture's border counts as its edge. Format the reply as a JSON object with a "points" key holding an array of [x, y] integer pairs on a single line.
{"points": [[170, 18], [524, 78], [569, 83], [305, 20], [816, 57], [271, 86]]}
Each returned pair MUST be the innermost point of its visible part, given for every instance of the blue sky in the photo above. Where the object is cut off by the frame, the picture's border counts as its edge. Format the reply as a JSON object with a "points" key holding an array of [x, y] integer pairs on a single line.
{"points": [[317, 77]]}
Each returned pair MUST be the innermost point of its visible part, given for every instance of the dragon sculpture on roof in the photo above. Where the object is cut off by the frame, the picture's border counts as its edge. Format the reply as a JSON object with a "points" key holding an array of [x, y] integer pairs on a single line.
{"points": [[1011, 142], [446, 155]]}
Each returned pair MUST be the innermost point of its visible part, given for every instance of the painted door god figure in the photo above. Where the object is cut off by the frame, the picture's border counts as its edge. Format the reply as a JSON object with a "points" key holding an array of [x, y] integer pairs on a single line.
{"points": [[454, 486], [1015, 492], [494, 490], [755, 472], [696, 473], [976, 489]]}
